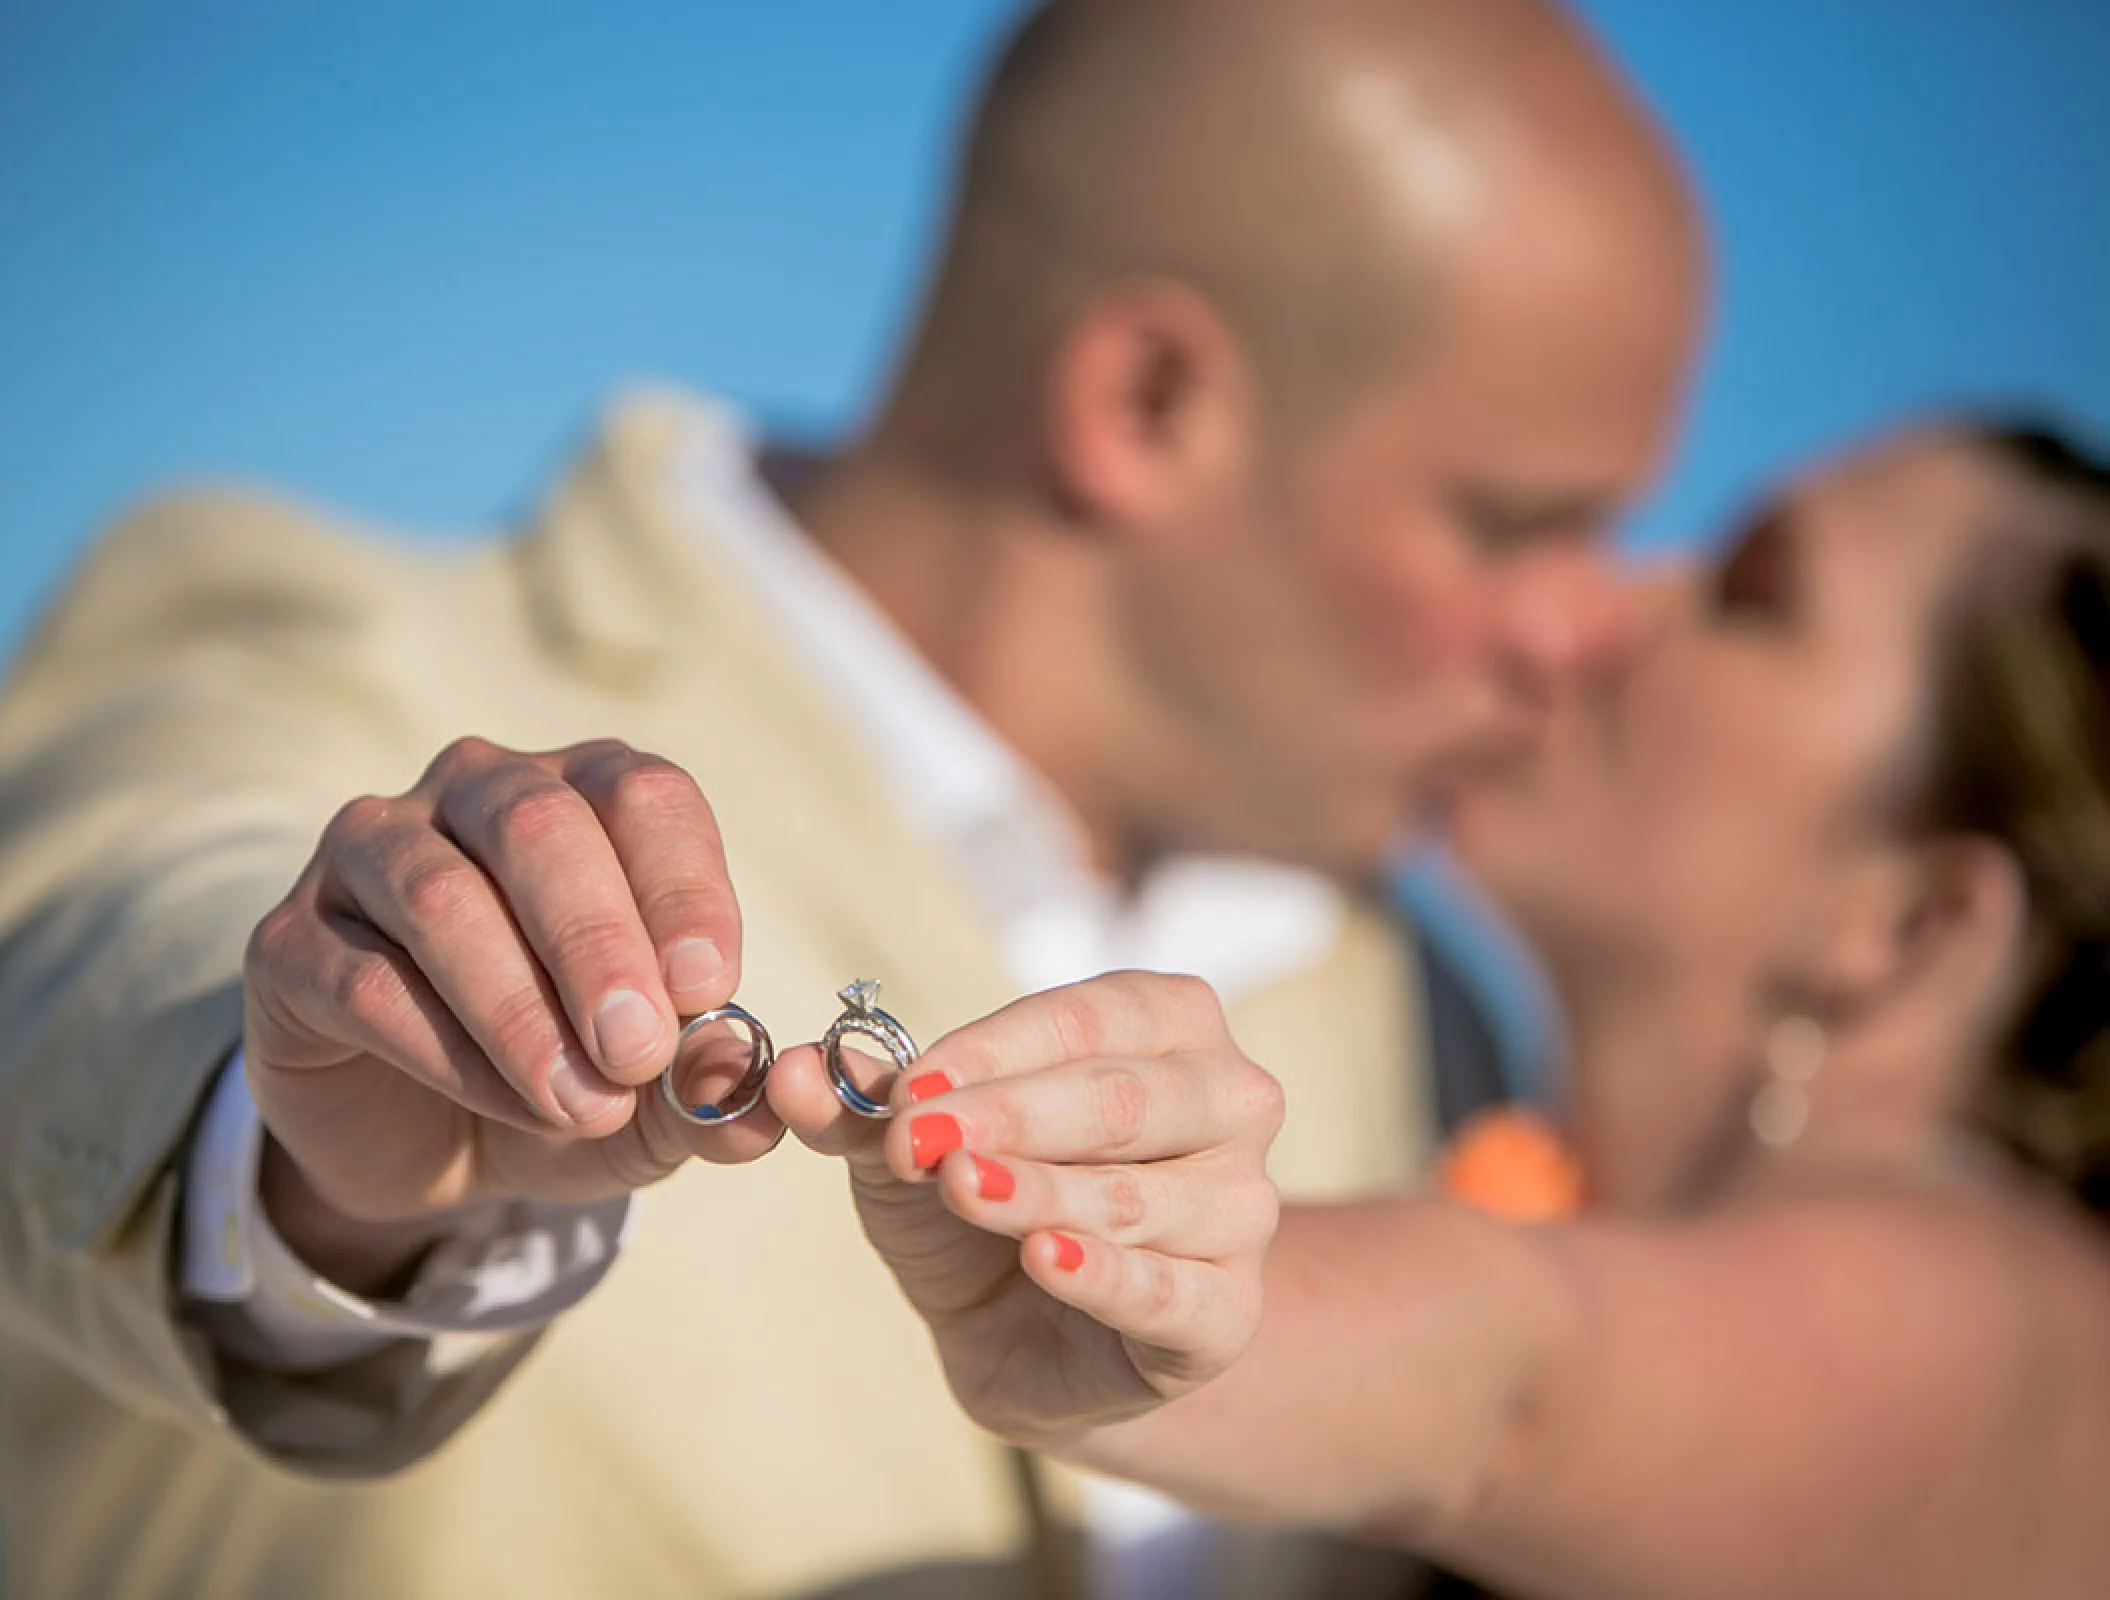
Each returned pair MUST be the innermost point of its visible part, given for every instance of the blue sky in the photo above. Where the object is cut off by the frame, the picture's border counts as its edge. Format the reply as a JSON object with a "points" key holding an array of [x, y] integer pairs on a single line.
{"points": [[393, 254]]}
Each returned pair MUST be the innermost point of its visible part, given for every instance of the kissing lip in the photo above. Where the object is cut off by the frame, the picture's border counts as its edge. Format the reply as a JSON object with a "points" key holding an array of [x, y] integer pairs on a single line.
{"points": [[1495, 763], [1490, 759]]}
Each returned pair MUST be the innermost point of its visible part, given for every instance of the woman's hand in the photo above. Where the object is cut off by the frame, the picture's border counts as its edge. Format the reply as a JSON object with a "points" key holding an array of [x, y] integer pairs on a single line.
{"points": [[1073, 1193]]}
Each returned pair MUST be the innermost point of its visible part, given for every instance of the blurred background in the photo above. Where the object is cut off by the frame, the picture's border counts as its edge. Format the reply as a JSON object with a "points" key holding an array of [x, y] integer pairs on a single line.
{"points": [[395, 254]]}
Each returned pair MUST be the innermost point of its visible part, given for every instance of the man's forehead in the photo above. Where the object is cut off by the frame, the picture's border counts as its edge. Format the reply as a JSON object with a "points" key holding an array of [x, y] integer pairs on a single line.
{"points": [[1565, 394], [1528, 472], [1575, 321]]}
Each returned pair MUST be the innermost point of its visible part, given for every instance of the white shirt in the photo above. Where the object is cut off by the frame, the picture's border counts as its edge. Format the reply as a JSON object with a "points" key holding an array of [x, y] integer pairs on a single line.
{"points": [[1237, 923]]}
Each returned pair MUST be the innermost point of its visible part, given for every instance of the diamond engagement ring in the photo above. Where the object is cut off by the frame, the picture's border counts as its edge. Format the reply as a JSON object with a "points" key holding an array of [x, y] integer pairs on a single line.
{"points": [[862, 1016], [745, 1095]]}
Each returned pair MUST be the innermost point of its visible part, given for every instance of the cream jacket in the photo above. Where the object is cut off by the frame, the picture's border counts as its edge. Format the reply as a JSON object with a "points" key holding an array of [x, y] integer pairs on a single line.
{"points": [[744, 1407]]}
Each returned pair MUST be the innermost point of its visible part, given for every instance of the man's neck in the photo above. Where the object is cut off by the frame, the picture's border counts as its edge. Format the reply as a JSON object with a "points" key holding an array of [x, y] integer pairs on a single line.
{"points": [[1002, 609]]}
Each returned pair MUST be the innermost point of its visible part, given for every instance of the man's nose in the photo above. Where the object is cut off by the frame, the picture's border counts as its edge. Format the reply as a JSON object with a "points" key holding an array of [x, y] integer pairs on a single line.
{"points": [[1577, 618]]}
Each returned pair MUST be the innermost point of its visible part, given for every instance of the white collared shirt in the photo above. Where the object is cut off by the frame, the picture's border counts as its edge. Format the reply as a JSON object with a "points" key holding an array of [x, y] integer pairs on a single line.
{"points": [[1239, 923]]}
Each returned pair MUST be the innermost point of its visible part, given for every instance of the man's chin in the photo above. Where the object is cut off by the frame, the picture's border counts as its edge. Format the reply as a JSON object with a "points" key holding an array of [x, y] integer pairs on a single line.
{"points": [[1492, 825], [1431, 820], [1442, 803]]}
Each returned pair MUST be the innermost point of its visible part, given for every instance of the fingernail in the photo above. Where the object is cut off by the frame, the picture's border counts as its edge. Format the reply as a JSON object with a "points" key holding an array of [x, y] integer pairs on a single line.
{"points": [[626, 1029], [572, 1086], [933, 1138], [1069, 1254], [929, 1086], [993, 1180], [694, 964]]}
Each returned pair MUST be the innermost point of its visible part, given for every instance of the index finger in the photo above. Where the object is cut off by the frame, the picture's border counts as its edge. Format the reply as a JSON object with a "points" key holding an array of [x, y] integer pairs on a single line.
{"points": [[1120, 1015], [666, 838]]}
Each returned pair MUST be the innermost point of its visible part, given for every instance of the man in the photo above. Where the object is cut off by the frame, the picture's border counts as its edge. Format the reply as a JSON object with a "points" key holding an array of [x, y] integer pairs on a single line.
{"points": [[1239, 496]]}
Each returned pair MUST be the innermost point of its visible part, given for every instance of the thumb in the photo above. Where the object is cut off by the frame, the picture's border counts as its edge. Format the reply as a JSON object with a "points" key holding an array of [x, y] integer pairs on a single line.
{"points": [[803, 1099]]}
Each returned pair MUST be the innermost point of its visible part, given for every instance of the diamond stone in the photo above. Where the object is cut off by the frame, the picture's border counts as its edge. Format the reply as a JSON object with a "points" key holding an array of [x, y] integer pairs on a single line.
{"points": [[861, 995]]}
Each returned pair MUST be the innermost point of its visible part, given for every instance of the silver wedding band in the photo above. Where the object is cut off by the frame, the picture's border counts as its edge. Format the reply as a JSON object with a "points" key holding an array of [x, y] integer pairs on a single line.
{"points": [[744, 1095], [861, 1016]]}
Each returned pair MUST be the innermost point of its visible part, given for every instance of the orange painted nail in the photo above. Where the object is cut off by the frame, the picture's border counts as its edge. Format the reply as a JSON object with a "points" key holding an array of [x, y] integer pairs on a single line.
{"points": [[933, 1138], [929, 1086], [993, 1180], [1069, 1254]]}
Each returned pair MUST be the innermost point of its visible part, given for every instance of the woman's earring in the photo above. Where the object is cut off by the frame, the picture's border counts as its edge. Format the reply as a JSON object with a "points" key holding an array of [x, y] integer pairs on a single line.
{"points": [[1780, 1111]]}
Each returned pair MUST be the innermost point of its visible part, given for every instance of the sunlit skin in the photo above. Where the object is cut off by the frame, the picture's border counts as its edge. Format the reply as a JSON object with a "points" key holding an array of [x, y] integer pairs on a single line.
{"points": [[1696, 846], [1155, 571], [1870, 1364], [1248, 471]]}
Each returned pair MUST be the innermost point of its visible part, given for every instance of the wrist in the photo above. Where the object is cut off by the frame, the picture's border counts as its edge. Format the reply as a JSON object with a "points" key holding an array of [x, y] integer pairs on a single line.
{"points": [[373, 1259]]}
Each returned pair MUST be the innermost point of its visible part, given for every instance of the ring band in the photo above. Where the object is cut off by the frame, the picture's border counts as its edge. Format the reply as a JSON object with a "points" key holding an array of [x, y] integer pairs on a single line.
{"points": [[744, 1095], [862, 1016]]}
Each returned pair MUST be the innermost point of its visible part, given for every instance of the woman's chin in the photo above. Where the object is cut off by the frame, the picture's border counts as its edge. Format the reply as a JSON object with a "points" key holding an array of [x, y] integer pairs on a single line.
{"points": [[1541, 872]]}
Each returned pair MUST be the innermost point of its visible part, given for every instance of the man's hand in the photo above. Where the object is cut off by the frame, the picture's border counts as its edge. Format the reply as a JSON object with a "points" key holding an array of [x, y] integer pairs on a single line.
{"points": [[464, 993], [1073, 1193]]}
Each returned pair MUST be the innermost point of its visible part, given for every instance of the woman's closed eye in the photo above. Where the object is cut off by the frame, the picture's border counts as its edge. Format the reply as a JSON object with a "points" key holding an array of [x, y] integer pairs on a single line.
{"points": [[1756, 581]]}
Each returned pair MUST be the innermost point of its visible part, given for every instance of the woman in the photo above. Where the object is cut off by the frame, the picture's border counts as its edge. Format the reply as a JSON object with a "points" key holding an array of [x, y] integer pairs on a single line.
{"points": [[1824, 881]]}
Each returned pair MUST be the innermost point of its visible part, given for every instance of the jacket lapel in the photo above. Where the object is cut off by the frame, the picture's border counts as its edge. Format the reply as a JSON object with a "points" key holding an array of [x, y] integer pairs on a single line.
{"points": [[630, 589]]}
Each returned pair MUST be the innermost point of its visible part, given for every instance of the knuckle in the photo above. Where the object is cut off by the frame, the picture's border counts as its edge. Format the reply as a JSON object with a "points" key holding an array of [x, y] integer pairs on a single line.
{"points": [[684, 906], [1005, 1122], [1261, 1102], [531, 816], [1160, 1288], [1120, 1106], [437, 892], [653, 788], [271, 941], [1079, 1022], [357, 821], [589, 944], [369, 991], [1124, 1202], [523, 1036], [595, 755], [1261, 1208], [460, 757], [1190, 1000], [969, 1056]]}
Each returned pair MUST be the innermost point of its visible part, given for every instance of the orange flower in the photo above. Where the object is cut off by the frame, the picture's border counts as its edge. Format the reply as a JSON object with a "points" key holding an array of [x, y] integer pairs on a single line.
{"points": [[1512, 1163]]}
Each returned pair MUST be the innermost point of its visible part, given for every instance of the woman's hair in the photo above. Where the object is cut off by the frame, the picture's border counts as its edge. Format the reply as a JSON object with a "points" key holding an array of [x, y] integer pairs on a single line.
{"points": [[2022, 755]]}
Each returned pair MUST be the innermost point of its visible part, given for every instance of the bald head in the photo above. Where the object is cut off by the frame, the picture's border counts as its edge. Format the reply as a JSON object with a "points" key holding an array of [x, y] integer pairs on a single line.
{"points": [[1318, 171], [1287, 362]]}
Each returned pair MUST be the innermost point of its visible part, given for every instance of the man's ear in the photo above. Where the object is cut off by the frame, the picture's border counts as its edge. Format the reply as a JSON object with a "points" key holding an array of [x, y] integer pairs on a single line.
{"points": [[1151, 407]]}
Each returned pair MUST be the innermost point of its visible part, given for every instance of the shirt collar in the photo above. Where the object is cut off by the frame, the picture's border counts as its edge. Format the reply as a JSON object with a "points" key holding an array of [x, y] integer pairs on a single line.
{"points": [[1238, 923]]}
